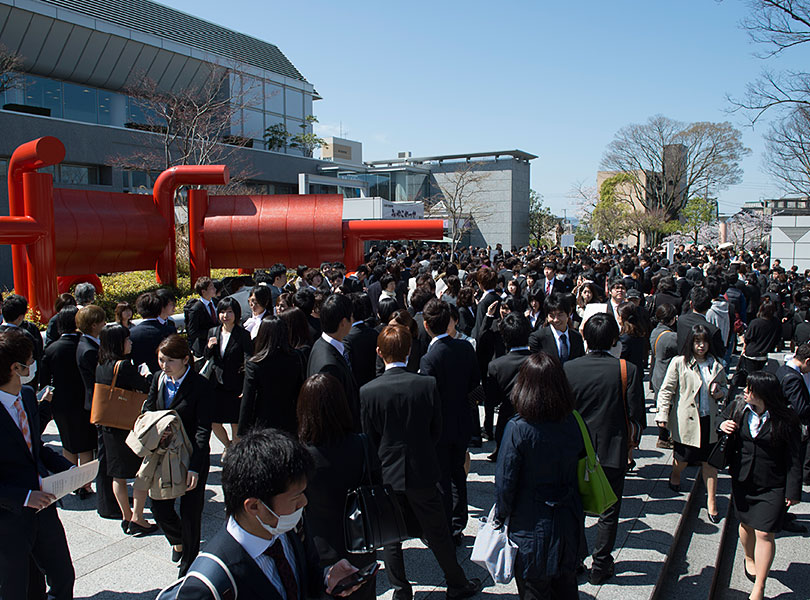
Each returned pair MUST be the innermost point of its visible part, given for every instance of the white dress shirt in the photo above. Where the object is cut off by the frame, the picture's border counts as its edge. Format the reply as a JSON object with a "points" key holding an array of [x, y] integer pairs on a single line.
{"points": [[337, 344], [755, 422]]}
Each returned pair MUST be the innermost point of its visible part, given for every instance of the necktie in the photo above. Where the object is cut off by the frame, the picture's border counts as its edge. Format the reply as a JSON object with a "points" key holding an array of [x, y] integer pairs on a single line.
{"points": [[563, 348], [276, 552], [22, 421], [548, 288], [211, 311], [171, 390]]}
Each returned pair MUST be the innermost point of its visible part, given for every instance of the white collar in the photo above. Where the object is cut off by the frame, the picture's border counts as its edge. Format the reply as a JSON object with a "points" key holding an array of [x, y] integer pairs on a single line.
{"points": [[95, 339], [338, 345], [356, 323], [8, 399], [257, 317], [518, 348], [179, 382], [395, 365], [252, 544], [559, 334], [437, 338]]}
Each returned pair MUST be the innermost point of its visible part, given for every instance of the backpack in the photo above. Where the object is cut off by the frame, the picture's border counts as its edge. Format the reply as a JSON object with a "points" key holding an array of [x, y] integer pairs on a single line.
{"points": [[210, 570], [187, 311]]}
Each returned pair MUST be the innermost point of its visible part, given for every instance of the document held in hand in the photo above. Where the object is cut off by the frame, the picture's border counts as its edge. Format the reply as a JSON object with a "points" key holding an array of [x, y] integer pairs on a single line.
{"points": [[61, 484]]}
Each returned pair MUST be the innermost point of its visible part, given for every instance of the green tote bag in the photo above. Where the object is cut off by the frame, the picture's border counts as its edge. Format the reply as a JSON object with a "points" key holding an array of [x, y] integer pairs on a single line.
{"points": [[594, 488]]}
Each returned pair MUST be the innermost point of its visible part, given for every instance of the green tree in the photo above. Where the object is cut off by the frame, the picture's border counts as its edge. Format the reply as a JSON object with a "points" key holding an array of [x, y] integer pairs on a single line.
{"points": [[307, 141], [697, 213], [276, 137], [610, 217], [541, 219]]}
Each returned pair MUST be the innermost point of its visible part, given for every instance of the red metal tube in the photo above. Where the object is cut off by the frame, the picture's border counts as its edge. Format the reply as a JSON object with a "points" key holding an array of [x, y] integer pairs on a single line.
{"points": [[33, 155], [355, 232], [199, 264], [38, 193], [163, 196], [20, 230]]}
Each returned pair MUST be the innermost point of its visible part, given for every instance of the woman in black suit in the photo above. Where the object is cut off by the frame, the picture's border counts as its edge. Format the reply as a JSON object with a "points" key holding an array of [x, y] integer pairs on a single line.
{"points": [[340, 457], [229, 344], [765, 470], [273, 378], [179, 388], [466, 310], [122, 463], [59, 369], [298, 330], [52, 333]]}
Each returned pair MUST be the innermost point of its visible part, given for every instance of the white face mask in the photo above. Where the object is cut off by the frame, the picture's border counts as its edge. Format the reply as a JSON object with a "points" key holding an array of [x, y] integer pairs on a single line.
{"points": [[32, 372], [285, 522]]}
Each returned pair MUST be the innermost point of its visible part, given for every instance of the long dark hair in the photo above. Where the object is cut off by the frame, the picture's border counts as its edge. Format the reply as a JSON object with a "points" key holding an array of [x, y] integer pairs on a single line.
{"points": [[323, 412], [272, 337], [297, 327], [697, 332], [542, 392], [111, 343], [766, 387]]}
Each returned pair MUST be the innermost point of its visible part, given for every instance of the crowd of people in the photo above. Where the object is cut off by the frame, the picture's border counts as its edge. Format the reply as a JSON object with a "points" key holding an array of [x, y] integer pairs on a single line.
{"points": [[329, 379]]}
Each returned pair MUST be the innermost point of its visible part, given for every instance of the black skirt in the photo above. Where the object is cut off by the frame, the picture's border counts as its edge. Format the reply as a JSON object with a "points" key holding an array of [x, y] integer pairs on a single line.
{"points": [[226, 405], [76, 432], [122, 463], [760, 508], [690, 454]]}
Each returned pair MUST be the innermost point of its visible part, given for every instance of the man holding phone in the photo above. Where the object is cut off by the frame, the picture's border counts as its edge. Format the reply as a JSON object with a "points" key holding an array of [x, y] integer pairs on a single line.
{"points": [[264, 479]]}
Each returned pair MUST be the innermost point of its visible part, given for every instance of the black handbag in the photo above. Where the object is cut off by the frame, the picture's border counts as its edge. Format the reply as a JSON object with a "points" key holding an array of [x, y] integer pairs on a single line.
{"points": [[719, 455], [372, 517]]}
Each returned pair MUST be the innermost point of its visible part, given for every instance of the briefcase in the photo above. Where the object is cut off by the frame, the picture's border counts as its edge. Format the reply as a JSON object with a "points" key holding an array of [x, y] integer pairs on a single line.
{"points": [[373, 519], [115, 407]]}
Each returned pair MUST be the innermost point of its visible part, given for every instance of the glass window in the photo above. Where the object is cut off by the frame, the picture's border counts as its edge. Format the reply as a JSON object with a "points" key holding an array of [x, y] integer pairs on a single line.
{"points": [[253, 124], [253, 92], [139, 180], [76, 175], [80, 103], [44, 93], [273, 98], [236, 123], [141, 113], [112, 108], [295, 103], [307, 105]]}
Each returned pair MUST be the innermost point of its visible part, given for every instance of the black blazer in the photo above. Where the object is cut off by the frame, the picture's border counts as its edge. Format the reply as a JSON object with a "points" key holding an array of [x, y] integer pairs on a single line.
{"points": [[795, 391], [199, 322], [543, 339], [128, 376], [324, 358], [20, 470], [270, 392], [596, 382], [466, 319], [251, 581], [87, 359], [481, 312], [689, 320], [192, 402], [361, 342], [501, 376], [229, 369], [146, 337], [454, 365], [60, 369], [402, 416]]}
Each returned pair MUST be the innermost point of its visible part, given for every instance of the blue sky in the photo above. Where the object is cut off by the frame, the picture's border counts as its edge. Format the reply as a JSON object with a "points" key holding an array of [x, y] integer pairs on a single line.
{"points": [[554, 79]]}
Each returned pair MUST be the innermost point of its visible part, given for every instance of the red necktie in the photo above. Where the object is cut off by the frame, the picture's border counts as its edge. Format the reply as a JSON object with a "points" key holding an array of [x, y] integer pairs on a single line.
{"points": [[548, 288], [276, 552], [211, 311], [22, 422]]}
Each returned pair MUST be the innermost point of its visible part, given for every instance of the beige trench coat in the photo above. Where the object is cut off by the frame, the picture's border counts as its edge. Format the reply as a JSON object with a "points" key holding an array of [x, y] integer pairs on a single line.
{"points": [[163, 471]]}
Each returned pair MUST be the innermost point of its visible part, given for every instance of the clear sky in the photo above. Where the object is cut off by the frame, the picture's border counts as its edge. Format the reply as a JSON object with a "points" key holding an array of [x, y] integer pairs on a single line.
{"points": [[556, 79]]}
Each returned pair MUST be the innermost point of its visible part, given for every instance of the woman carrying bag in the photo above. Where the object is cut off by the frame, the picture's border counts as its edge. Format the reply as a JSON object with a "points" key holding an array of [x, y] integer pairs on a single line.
{"points": [[122, 463], [765, 468], [687, 406], [536, 481]]}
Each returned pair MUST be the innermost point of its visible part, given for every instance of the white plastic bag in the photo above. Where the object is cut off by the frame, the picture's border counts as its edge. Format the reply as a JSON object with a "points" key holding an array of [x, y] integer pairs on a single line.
{"points": [[494, 551]]}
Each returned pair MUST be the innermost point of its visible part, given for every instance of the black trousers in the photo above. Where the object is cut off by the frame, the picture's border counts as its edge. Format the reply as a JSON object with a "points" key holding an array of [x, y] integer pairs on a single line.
{"points": [[106, 505], [505, 412], [40, 537], [608, 523], [453, 484], [186, 527], [563, 587], [424, 507]]}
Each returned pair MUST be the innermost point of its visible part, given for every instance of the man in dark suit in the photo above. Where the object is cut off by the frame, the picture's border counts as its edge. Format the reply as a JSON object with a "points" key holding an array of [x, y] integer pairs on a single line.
{"points": [[487, 280], [202, 316], [402, 415], [28, 518], [361, 341], [147, 335], [329, 354], [14, 309], [701, 302], [454, 365], [259, 545], [605, 407], [276, 280], [550, 284], [502, 372], [556, 337]]}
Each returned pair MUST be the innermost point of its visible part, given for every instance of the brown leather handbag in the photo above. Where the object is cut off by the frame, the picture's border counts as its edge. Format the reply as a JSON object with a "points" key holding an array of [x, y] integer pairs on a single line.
{"points": [[115, 407]]}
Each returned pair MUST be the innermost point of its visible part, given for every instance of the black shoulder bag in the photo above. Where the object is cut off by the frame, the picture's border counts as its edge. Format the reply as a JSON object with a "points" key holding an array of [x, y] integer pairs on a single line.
{"points": [[720, 454], [372, 517]]}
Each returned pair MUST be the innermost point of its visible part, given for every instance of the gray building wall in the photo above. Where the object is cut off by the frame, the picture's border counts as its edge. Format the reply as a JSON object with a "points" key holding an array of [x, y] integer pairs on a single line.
{"points": [[503, 193]]}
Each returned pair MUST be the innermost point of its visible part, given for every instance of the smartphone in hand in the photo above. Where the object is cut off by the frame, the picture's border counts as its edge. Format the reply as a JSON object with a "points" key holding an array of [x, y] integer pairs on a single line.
{"points": [[356, 578]]}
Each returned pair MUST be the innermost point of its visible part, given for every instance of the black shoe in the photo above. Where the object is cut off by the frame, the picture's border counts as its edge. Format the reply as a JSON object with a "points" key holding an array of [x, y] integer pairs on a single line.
{"points": [[716, 518], [468, 591], [580, 568], [751, 578], [84, 493], [475, 443], [493, 457], [791, 526], [458, 539], [125, 526], [600, 577], [140, 530], [673, 487], [176, 556], [486, 434], [631, 466]]}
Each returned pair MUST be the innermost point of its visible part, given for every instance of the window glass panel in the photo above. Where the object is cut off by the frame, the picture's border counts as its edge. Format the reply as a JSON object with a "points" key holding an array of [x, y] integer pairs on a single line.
{"points": [[295, 103], [138, 179], [307, 105], [74, 175], [273, 98], [80, 103], [112, 108], [236, 123], [44, 93], [253, 125], [253, 93]]}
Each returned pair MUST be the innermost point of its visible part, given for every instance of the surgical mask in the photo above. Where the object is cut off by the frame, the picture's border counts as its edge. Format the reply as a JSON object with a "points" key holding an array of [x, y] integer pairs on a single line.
{"points": [[285, 522], [32, 372]]}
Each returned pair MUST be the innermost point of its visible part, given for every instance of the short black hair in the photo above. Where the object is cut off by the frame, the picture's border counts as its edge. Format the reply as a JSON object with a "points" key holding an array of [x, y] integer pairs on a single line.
{"points": [[277, 270], [148, 305], [262, 464], [262, 294], [386, 307], [111, 343], [557, 302], [420, 298], [437, 316], [515, 330], [802, 352], [165, 295], [701, 301], [600, 332], [16, 346], [361, 306], [14, 306], [233, 304], [66, 320], [665, 313], [333, 310], [305, 300]]}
